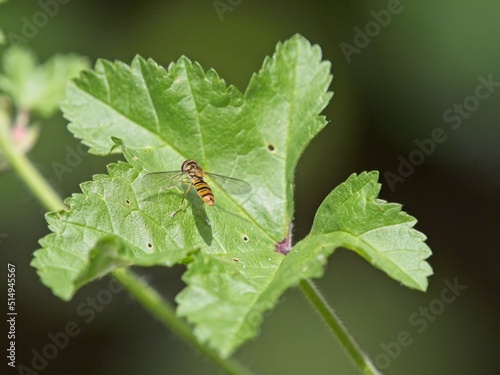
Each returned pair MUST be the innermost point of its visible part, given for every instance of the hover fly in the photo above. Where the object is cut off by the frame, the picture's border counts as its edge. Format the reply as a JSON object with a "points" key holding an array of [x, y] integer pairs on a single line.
{"points": [[192, 174]]}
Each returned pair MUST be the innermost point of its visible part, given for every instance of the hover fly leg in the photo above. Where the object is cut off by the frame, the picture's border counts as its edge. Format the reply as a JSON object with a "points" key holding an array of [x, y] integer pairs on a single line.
{"points": [[182, 202]]}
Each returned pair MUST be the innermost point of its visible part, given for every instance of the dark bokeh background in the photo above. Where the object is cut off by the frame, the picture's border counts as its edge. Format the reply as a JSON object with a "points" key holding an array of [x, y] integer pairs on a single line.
{"points": [[395, 91]]}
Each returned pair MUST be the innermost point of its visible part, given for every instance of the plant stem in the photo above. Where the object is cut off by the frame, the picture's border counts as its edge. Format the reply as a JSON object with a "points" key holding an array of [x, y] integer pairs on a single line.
{"points": [[28, 173], [147, 296], [162, 310], [362, 362]]}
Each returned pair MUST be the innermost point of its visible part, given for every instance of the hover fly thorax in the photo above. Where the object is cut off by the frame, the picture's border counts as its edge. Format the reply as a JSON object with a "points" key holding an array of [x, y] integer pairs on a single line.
{"points": [[192, 169]]}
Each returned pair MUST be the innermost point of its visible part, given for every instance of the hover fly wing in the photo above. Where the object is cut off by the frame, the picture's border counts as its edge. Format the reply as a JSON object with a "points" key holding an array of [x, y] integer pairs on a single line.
{"points": [[164, 180], [231, 185]]}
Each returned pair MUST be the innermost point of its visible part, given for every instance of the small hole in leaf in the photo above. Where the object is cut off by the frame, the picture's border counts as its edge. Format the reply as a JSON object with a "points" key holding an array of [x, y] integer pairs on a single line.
{"points": [[235, 260], [245, 238], [127, 201], [270, 147], [150, 245]]}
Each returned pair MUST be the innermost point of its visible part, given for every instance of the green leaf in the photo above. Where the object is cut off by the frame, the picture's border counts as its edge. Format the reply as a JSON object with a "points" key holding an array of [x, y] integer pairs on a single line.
{"points": [[352, 217], [38, 88], [378, 231], [158, 118]]}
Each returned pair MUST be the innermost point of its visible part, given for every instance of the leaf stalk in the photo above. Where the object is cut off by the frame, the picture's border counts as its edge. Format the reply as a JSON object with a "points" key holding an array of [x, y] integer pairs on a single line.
{"points": [[164, 312], [359, 358], [23, 167]]}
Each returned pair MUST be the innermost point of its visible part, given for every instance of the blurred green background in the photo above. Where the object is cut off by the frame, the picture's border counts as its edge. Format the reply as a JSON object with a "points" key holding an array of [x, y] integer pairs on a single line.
{"points": [[390, 93]]}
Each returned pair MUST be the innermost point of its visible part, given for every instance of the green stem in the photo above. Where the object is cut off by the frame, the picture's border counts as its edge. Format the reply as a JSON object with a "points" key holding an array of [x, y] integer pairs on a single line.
{"points": [[362, 362], [147, 296], [29, 174], [155, 304]]}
